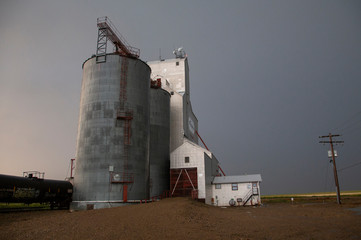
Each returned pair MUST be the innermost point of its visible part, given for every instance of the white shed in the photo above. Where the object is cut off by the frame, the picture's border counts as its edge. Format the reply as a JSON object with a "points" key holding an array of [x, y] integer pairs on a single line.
{"points": [[238, 190]]}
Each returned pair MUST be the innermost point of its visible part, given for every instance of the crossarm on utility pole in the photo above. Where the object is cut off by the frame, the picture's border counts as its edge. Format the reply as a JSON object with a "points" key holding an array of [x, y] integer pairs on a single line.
{"points": [[331, 142]]}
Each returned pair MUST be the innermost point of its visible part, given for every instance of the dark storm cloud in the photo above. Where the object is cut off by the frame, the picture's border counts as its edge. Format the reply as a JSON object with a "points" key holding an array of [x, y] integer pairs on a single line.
{"points": [[267, 78]]}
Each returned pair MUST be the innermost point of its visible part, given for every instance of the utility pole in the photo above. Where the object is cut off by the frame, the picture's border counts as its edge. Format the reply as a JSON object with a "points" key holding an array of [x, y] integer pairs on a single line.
{"points": [[331, 142]]}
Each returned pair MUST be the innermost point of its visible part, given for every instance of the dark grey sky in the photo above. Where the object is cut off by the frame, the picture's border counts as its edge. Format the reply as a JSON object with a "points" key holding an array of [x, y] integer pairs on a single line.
{"points": [[267, 78]]}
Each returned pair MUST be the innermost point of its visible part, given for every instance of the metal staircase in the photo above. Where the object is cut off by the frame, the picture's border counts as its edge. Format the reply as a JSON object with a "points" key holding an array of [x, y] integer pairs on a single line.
{"points": [[250, 194]]}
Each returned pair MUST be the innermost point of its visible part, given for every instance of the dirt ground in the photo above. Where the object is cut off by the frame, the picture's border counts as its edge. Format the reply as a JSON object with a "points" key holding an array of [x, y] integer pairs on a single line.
{"points": [[182, 218]]}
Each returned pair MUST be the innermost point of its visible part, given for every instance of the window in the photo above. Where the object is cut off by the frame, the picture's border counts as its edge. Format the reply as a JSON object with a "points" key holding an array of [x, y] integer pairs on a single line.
{"points": [[234, 187], [186, 159], [177, 63], [218, 186]]}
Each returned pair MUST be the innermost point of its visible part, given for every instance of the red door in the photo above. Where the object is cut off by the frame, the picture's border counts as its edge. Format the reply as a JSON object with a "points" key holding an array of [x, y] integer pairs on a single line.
{"points": [[183, 182]]}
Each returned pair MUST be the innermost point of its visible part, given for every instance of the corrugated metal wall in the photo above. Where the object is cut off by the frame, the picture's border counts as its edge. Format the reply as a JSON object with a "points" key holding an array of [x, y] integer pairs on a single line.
{"points": [[113, 132], [159, 141]]}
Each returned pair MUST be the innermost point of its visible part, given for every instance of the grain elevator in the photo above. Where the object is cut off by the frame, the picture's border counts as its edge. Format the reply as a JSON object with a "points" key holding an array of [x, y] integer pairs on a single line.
{"points": [[137, 134]]}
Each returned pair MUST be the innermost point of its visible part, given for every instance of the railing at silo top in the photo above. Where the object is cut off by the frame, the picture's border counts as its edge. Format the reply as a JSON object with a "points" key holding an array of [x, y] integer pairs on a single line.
{"points": [[107, 30]]}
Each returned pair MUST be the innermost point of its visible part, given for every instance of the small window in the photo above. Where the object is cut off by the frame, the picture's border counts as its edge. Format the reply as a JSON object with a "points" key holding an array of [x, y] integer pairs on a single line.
{"points": [[186, 159], [234, 187], [177, 63], [218, 186]]}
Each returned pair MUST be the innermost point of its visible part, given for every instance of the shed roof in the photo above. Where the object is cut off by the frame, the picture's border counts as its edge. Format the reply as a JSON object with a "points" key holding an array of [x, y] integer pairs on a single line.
{"points": [[238, 179]]}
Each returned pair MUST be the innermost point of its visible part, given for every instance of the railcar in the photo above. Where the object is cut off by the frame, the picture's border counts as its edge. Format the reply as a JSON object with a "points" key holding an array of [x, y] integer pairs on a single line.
{"points": [[31, 189]]}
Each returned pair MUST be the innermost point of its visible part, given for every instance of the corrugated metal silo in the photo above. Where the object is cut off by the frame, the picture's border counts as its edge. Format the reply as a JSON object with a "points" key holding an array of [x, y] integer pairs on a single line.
{"points": [[159, 141], [112, 157]]}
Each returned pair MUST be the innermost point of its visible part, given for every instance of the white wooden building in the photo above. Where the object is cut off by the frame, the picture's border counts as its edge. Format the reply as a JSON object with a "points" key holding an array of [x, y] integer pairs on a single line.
{"points": [[194, 170], [238, 190]]}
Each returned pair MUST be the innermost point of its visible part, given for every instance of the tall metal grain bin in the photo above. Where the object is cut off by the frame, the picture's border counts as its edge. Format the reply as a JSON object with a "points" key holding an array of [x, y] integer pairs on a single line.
{"points": [[159, 141], [112, 155]]}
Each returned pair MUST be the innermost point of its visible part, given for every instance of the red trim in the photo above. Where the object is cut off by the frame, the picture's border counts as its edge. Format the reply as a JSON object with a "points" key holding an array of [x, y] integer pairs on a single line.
{"points": [[221, 170], [208, 150], [202, 140]]}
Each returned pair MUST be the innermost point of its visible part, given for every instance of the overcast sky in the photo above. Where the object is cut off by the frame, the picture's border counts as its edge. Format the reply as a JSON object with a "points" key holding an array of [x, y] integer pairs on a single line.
{"points": [[267, 78]]}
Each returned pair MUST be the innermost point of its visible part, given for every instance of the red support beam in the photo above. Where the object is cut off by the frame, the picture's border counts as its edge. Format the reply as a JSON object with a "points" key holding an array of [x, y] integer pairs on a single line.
{"points": [[209, 150], [125, 193], [202, 140], [221, 170]]}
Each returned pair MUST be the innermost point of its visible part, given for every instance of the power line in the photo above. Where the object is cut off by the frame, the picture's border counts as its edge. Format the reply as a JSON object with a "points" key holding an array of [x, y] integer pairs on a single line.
{"points": [[353, 165], [351, 128], [345, 124]]}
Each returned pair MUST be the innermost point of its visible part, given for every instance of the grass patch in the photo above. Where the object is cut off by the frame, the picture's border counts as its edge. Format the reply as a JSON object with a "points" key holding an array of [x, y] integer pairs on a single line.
{"points": [[24, 205], [309, 197], [317, 194]]}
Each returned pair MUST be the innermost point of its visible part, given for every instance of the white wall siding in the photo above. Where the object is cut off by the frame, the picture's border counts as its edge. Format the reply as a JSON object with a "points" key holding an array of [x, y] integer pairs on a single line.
{"points": [[196, 159], [176, 121], [174, 75], [183, 120], [225, 194], [199, 158]]}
